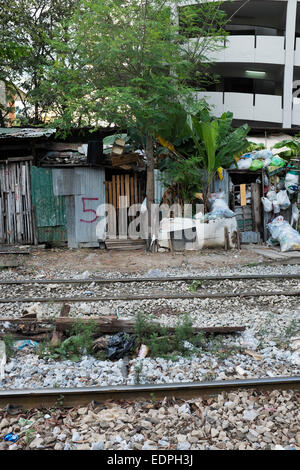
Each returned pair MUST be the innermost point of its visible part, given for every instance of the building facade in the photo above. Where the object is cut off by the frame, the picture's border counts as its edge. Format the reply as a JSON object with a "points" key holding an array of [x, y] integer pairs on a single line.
{"points": [[259, 68]]}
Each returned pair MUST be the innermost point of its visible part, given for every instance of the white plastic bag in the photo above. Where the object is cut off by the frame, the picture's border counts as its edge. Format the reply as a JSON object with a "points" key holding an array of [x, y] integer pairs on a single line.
{"points": [[268, 205], [291, 181], [276, 207], [244, 163], [283, 199], [283, 232], [265, 154], [219, 208], [272, 195], [267, 162], [248, 339]]}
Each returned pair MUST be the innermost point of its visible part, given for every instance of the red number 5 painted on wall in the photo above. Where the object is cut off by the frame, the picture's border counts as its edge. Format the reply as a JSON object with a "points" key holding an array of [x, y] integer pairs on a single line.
{"points": [[89, 210]]}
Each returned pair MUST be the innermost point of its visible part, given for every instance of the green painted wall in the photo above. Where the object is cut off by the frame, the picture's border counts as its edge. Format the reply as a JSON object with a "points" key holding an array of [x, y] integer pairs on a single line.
{"points": [[50, 209]]}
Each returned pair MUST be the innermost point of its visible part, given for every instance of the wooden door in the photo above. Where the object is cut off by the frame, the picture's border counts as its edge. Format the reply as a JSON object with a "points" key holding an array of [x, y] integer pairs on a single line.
{"points": [[121, 192]]}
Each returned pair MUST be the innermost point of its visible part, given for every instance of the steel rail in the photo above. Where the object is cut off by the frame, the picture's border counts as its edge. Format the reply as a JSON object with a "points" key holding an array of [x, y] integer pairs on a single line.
{"points": [[71, 397], [150, 279], [152, 296]]}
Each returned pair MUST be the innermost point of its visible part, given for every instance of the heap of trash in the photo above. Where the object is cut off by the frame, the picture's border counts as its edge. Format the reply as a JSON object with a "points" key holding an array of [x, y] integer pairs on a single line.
{"points": [[281, 186]]}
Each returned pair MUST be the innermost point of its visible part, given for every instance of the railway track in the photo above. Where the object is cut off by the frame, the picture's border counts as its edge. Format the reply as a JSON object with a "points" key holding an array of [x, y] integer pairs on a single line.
{"points": [[71, 397], [152, 279], [179, 288], [152, 296], [142, 288]]}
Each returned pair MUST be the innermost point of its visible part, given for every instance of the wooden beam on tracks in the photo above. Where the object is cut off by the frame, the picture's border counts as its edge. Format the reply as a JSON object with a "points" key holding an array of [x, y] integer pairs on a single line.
{"points": [[104, 324]]}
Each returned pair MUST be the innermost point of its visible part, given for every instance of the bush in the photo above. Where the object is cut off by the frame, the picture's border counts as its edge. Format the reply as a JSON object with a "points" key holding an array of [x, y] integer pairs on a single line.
{"points": [[161, 342], [78, 344]]}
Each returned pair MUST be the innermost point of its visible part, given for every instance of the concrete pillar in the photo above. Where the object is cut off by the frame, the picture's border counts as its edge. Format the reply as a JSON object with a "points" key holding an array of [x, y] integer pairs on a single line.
{"points": [[289, 63]]}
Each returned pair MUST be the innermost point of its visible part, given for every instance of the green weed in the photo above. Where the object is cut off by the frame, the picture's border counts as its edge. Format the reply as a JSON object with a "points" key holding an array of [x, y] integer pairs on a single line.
{"points": [[30, 434], [9, 345], [78, 344], [161, 342], [138, 373]]}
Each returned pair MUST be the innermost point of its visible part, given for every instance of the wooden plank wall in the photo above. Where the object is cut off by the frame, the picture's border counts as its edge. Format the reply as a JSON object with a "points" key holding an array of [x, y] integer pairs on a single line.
{"points": [[16, 212], [122, 191]]}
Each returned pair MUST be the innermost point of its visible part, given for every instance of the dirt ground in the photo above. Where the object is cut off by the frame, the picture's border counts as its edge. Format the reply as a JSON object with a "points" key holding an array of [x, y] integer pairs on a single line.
{"points": [[96, 260]]}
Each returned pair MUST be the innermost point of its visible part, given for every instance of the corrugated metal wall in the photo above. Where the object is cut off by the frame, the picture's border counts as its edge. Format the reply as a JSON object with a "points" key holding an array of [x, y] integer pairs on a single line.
{"points": [[84, 191], [218, 185], [50, 209]]}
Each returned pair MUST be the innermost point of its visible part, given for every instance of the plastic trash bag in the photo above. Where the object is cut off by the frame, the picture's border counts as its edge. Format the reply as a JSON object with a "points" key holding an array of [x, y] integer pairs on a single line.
{"points": [[214, 196], [248, 155], [219, 207], [267, 204], [25, 343], [244, 163], [11, 437], [281, 184], [256, 165], [119, 345], [265, 154], [248, 339], [220, 214], [271, 195], [277, 161], [283, 200], [291, 181], [283, 232], [276, 207], [272, 242], [267, 162]]}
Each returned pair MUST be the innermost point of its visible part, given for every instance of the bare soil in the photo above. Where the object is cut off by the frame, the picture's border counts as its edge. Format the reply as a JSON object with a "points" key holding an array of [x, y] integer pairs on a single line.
{"points": [[96, 260]]}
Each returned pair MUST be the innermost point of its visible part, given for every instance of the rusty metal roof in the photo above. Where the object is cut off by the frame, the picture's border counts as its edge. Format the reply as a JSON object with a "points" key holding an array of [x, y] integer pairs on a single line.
{"points": [[24, 133]]}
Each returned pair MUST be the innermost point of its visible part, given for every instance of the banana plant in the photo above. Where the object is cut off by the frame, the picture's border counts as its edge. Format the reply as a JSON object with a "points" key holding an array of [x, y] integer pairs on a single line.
{"points": [[293, 146], [216, 143]]}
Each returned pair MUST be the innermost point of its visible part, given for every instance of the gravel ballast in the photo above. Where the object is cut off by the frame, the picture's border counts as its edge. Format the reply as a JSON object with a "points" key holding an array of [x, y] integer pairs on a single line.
{"points": [[273, 321], [243, 420]]}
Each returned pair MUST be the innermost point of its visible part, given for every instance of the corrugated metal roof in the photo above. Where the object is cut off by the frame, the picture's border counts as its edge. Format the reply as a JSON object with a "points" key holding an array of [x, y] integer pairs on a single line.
{"points": [[13, 133]]}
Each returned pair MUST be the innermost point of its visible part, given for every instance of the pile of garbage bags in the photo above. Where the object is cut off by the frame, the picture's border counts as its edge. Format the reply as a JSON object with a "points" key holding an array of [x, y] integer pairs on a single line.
{"points": [[218, 207], [276, 201], [256, 160], [283, 233]]}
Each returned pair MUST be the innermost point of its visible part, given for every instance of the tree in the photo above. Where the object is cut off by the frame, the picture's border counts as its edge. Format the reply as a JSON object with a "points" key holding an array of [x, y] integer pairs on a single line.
{"points": [[216, 144], [194, 152], [26, 30], [131, 63]]}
